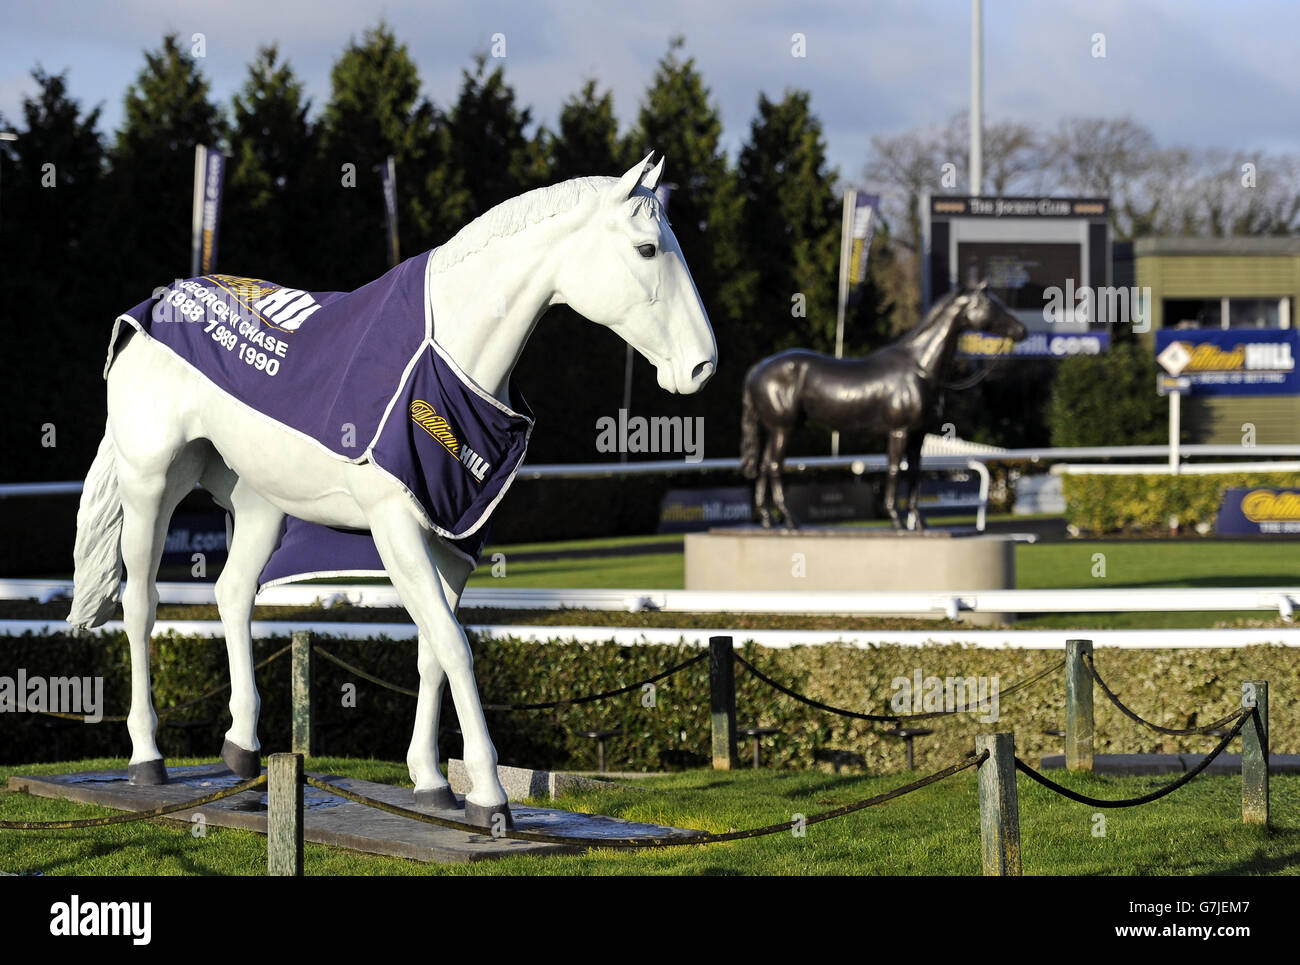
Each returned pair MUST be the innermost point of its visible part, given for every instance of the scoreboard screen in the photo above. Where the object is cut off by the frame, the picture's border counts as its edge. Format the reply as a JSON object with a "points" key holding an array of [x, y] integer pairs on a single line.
{"points": [[1021, 273]]}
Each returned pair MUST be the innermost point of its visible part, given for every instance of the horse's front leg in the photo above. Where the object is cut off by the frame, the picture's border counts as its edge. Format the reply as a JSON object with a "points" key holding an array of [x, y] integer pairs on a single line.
{"points": [[760, 487], [897, 445], [914, 441], [404, 547], [431, 787]]}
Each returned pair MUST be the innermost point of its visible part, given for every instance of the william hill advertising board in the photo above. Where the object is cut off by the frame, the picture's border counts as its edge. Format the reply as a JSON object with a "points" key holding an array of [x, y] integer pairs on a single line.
{"points": [[1259, 511], [1232, 361]]}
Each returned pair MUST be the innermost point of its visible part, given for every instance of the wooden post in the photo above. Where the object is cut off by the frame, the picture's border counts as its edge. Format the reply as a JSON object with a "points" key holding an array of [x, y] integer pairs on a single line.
{"points": [[1254, 756], [722, 702], [999, 808], [301, 689], [1078, 706], [284, 815]]}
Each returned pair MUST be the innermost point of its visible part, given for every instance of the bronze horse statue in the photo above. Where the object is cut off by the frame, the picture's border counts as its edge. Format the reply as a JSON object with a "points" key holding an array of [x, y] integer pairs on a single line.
{"points": [[897, 390]]}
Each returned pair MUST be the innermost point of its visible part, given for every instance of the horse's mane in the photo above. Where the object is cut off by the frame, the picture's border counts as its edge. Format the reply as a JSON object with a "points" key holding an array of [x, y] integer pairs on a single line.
{"points": [[514, 215], [932, 317]]}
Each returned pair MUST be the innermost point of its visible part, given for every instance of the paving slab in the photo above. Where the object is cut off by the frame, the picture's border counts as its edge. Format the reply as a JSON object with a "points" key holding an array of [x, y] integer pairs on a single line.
{"points": [[1147, 764], [329, 819]]}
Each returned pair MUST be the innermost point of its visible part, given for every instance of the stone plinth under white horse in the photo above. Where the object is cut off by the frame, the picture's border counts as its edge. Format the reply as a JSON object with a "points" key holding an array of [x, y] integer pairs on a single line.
{"points": [[601, 245]]}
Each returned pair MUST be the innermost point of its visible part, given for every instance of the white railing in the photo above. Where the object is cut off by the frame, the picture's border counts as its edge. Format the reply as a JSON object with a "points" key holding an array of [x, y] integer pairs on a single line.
{"points": [[858, 464], [1280, 600]]}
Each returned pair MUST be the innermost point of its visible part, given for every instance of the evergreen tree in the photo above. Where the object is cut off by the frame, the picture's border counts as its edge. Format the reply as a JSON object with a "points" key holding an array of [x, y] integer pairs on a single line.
{"points": [[791, 226], [489, 142], [587, 143], [52, 308], [266, 220], [375, 110], [168, 112]]}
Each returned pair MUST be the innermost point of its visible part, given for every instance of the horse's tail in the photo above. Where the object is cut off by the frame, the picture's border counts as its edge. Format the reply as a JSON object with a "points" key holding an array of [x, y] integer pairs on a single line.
{"points": [[97, 558], [749, 441]]}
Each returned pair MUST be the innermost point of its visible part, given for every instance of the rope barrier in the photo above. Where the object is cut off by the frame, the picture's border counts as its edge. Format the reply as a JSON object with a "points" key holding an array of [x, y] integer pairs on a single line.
{"points": [[1177, 732], [157, 812], [1051, 785], [890, 718], [704, 837], [546, 705], [166, 711], [362, 674]]}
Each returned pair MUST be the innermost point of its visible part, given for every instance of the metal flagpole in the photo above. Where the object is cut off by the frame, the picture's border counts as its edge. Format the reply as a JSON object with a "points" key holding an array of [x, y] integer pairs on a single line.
{"points": [[846, 248], [196, 224], [976, 98], [6, 136]]}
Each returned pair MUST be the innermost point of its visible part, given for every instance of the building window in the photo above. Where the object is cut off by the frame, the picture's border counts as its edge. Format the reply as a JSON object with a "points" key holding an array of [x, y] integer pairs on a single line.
{"points": [[1227, 312], [1193, 313]]}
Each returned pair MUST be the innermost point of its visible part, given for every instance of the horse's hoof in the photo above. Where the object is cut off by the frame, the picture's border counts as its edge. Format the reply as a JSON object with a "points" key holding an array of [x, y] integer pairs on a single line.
{"points": [[439, 798], [245, 764], [147, 773], [486, 817]]}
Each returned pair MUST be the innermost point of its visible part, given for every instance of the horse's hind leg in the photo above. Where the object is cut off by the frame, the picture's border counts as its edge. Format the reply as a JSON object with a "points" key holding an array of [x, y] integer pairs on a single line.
{"points": [[150, 492], [257, 529], [774, 458]]}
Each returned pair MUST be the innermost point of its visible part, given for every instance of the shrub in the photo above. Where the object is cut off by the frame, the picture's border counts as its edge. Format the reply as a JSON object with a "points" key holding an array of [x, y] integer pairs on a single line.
{"points": [[1107, 400], [1145, 503]]}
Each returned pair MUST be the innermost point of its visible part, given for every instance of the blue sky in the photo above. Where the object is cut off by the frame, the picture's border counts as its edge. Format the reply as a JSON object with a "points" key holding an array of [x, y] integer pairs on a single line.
{"points": [[1196, 73]]}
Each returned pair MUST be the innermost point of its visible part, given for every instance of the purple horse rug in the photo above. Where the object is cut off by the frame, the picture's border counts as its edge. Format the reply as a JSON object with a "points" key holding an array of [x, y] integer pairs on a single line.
{"points": [[360, 375]]}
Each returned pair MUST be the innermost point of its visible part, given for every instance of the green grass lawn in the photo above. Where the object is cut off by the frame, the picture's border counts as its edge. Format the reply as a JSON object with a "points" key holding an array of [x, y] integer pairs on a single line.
{"points": [[1197, 830], [1188, 563]]}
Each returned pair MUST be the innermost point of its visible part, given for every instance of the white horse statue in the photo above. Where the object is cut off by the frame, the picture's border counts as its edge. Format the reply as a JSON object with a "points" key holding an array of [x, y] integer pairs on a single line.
{"points": [[601, 245]]}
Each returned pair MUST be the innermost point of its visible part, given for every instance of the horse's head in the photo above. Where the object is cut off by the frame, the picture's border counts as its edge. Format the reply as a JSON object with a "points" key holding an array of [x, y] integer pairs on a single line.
{"points": [[983, 311], [624, 269]]}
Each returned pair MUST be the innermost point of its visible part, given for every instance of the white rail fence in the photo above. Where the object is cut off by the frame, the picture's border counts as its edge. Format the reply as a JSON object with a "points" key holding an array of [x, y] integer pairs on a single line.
{"points": [[959, 458], [1279, 600]]}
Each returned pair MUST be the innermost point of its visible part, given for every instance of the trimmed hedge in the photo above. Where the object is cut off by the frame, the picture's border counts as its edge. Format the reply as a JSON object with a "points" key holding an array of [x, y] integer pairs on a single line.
{"points": [[1144, 504], [1172, 687]]}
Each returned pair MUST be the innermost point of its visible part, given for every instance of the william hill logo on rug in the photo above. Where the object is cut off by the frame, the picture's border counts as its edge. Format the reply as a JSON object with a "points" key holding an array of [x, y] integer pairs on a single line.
{"points": [[427, 418]]}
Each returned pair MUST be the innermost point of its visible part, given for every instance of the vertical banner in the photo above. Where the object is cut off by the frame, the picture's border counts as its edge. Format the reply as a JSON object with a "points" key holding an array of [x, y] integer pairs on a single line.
{"points": [[388, 174], [861, 230], [209, 185], [856, 228]]}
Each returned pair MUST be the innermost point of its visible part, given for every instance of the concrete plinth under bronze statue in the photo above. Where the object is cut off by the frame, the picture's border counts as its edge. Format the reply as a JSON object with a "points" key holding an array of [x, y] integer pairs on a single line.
{"points": [[853, 560]]}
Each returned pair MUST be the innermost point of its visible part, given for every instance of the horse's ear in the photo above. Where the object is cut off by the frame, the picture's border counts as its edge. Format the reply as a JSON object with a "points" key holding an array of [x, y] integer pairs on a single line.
{"points": [[629, 181], [651, 180], [983, 285]]}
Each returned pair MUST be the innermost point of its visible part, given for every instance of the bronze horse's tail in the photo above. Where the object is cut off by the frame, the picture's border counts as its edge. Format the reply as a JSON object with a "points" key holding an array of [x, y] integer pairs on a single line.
{"points": [[749, 440]]}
